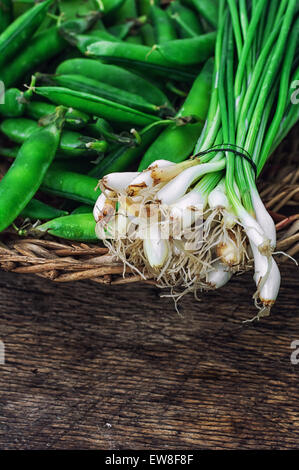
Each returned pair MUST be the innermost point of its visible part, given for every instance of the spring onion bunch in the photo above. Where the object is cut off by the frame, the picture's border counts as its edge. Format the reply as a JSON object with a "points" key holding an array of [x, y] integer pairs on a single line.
{"points": [[193, 224]]}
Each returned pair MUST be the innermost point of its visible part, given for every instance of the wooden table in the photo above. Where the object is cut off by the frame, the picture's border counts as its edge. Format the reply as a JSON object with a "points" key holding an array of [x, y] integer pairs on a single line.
{"points": [[94, 367]]}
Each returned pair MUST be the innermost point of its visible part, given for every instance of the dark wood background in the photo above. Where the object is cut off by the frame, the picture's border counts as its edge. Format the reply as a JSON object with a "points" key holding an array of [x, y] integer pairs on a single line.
{"points": [[93, 367]]}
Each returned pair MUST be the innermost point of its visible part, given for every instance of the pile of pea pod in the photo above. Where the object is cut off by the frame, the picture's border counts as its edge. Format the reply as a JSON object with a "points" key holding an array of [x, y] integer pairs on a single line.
{"points": [[95, 87]]}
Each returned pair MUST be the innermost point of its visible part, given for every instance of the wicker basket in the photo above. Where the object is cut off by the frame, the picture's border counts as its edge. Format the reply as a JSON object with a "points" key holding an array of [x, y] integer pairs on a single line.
{"points": [[62, 261]]}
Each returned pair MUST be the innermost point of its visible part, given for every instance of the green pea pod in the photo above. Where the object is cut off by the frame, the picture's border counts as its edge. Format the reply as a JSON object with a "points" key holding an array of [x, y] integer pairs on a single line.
{"points": [[148, 34], [17, 34], [12, 152], [185, 19], [79, 24], [78, 227], [134, 39], [74, 119], [49, 19], [197, 100], [82, 209], [72, 8], [78, 166], [104, 90], [144, 6], [127, 11], [38, 210], [70, 185], [163, 26], [142, 58], [98, 26], [14, 103], [190, 51], [26, 174], [174, 144], [177, 142], [81, 41], [109, 6], [97, 106], [74, 31], [6, 14], [208, 9], [41, 48], [121, 31], [114, 76], [72, 144]]}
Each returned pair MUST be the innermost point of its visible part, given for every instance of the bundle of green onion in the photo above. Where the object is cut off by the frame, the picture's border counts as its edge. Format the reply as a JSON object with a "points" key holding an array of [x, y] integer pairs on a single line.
{"points": [[193, 224]]}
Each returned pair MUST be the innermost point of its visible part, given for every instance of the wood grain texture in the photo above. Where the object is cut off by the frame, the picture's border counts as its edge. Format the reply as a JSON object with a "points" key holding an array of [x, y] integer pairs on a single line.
{"points": [[95, 367]]}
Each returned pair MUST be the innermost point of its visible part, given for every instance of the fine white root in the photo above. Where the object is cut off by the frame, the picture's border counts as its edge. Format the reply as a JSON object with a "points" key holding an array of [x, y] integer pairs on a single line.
{"points": [[162, 227], [186, 262]]}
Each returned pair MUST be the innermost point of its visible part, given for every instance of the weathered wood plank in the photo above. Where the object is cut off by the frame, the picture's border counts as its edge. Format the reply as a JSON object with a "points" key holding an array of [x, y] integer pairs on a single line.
{"points": [[97, 367]]}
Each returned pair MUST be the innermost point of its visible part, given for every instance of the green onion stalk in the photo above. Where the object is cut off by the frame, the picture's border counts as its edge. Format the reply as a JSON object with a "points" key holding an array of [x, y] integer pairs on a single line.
{"points": [[194, 224]]}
